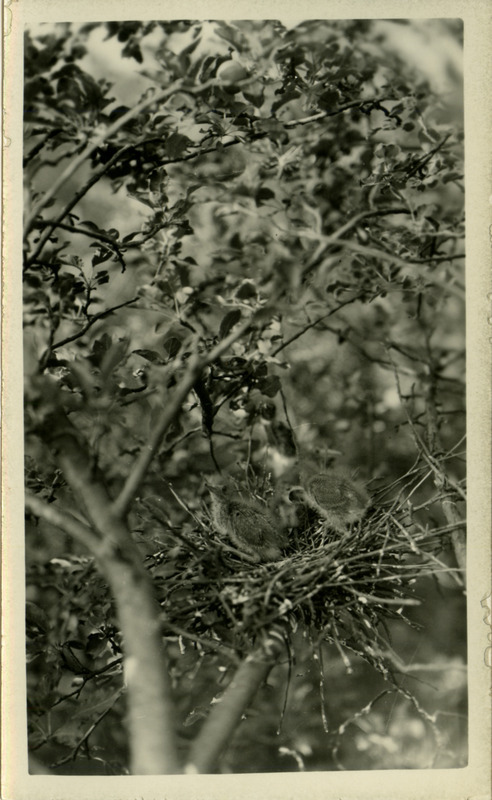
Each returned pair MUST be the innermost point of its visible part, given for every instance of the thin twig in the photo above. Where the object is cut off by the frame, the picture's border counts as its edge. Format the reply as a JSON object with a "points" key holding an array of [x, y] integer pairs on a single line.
{"points": [[185, 506], [433, 463], [312, 325], [103, 237], [85, 680], [95, 177], [423, 161], [193, 637], [92, 321], [39, 145], [73, 755]]}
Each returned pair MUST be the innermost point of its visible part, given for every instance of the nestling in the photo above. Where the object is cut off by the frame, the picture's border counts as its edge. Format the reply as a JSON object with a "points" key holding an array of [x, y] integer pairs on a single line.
{"points": [[247, 523], [338, 499]]}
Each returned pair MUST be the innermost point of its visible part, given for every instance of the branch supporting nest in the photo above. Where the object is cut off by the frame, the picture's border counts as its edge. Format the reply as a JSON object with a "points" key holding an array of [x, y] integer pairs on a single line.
{"points": [[225, 717]]}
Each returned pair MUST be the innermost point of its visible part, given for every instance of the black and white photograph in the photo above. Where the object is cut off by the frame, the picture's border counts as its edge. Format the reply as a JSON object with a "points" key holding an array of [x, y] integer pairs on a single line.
{"points": [[244, 431]]}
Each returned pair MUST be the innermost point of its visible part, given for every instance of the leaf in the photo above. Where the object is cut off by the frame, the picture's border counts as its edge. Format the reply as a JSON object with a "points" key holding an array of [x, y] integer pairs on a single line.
{"points": [[183, 273], [113, 357], [103, 255], [286, 97], [118, 112], [176, 145], [198, 713], [270, 385], [247, 291], [231, 34], [96, 644], [452, 176], [329, 98], [263, 194], [130, 236], [172, 346], [36, 618], [267, 410], [79, 376], [255, 94], [102, 277], [149, 355], [99, 348], [392, 150], [87, 223], [132, 50], [228, 322]]}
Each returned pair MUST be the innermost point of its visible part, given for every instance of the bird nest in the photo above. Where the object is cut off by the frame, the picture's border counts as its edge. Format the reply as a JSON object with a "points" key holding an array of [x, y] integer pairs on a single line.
{"points": [[341, 586]]}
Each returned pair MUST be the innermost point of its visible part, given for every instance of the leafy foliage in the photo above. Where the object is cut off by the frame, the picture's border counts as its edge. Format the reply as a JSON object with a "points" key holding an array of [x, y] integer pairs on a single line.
{"points": [[294, 198]]}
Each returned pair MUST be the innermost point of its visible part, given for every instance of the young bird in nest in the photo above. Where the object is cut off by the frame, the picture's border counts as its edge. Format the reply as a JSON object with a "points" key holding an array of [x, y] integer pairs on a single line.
{"points": [[339, 500], [247, 523]]}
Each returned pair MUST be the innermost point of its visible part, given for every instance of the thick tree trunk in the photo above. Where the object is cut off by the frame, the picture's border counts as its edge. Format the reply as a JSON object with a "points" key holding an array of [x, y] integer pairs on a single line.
{"points": [[150, 708], [150, 712]]}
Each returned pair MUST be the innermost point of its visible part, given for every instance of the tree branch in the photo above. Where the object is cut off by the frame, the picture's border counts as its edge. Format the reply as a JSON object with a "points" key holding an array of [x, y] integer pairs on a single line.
{"points": [[383, 255], [312, 325], [95, 177], [358, 218], [102, 237], [334, 238], [326, 241], [150, 709], [84, 739], [256, 135], [441, 479], [63, 520], [458, 535], [91, 146], [423, 161], [226, 715], [39, 145], [92, 321], [170, 413]]}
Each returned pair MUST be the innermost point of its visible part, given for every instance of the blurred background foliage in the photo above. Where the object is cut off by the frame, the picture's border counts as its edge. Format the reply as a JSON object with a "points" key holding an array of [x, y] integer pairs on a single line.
{"points": [[310, 175]]}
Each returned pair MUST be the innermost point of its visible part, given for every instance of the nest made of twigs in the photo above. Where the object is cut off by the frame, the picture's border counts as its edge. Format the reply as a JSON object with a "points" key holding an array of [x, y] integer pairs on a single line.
{"points": [[341, 585]]}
